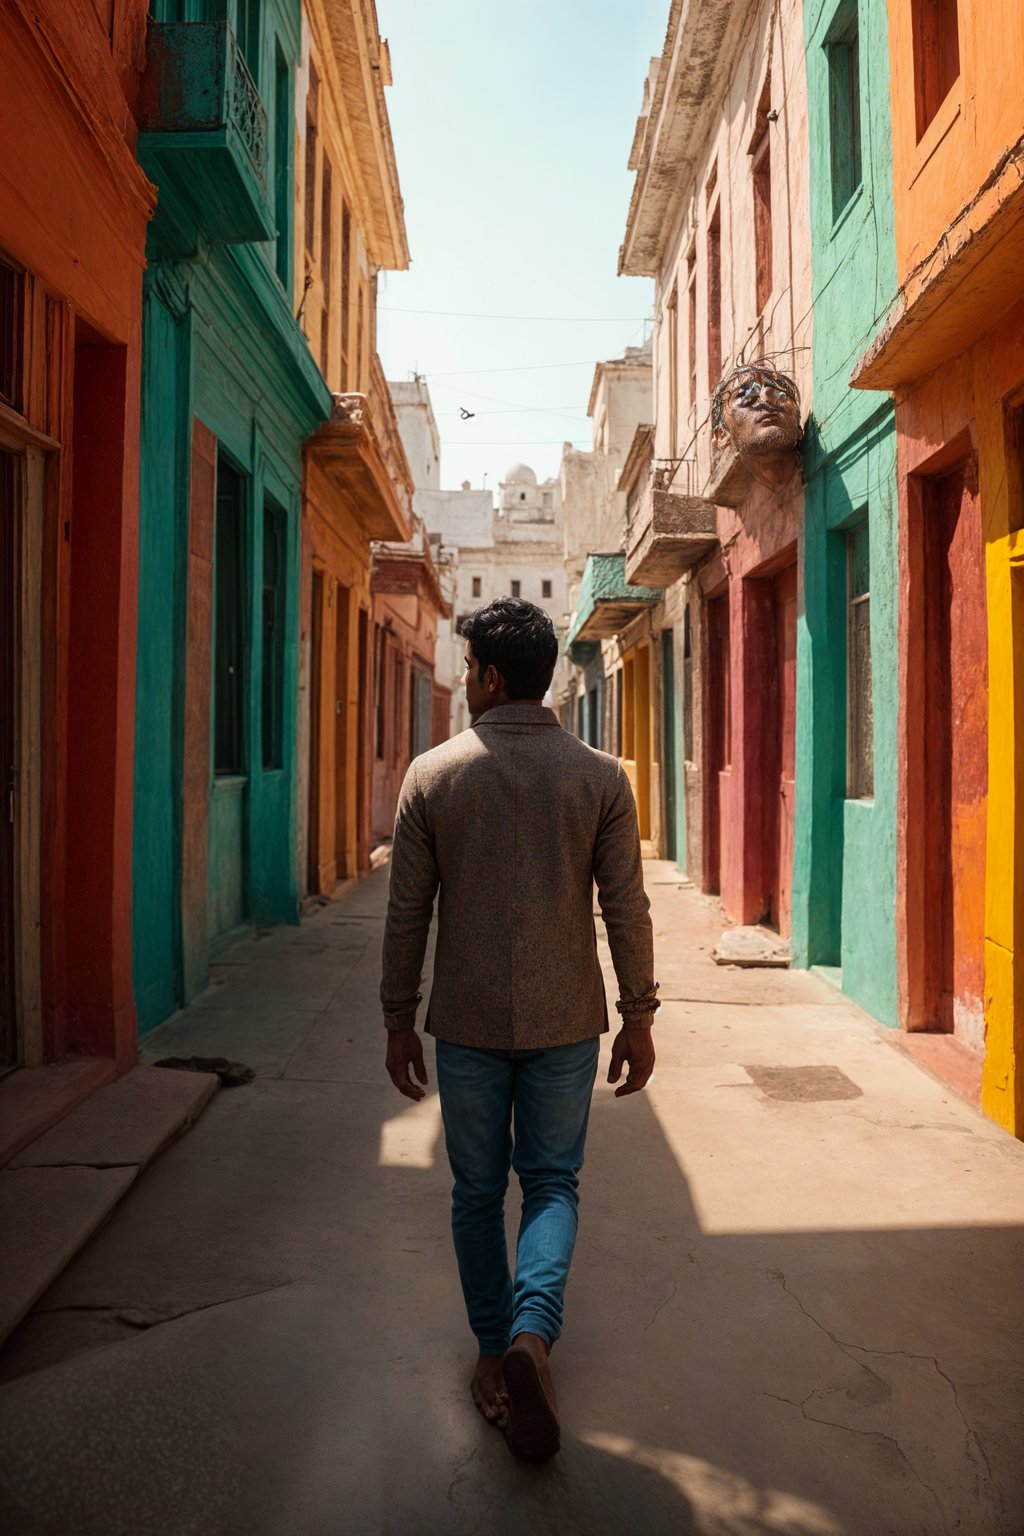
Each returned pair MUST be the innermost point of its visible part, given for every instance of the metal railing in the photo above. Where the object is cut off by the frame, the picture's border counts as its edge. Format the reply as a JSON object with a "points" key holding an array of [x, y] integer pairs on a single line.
{"points": [[248, 112]]}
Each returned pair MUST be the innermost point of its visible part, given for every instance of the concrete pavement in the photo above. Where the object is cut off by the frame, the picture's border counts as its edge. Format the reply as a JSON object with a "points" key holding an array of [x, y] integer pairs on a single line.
{"points": [[795, 1306]]}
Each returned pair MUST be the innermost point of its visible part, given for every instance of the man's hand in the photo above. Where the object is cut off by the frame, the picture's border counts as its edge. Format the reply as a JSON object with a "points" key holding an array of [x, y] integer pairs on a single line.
{"points": [[634, 1047], [405, 1050]]}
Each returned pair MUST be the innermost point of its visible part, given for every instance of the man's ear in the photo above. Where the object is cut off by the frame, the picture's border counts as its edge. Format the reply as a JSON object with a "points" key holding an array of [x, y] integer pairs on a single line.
{"points": [[492, 679], [721, 437]]}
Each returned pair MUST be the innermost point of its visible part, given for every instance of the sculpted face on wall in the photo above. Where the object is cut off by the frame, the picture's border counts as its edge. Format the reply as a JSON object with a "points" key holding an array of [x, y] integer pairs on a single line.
{"points": [[756, 409]]}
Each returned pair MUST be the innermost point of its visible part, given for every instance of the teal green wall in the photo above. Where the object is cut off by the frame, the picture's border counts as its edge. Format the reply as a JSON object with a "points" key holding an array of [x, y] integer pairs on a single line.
{"points": [[219, 343], [844, 873]]}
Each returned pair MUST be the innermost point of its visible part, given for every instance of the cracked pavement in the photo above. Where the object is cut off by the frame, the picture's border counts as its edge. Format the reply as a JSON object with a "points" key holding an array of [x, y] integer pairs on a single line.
{"points": [[785, 1316]]}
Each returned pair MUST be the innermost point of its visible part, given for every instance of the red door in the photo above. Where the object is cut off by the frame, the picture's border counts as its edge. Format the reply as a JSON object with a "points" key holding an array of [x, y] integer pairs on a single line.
{"points": [[785, 639], [956, 750], [719, 738], [8, 754]]}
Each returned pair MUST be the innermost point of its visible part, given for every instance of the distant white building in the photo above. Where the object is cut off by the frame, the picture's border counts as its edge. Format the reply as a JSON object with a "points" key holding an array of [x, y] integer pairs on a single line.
{"points": [[514, 550]]}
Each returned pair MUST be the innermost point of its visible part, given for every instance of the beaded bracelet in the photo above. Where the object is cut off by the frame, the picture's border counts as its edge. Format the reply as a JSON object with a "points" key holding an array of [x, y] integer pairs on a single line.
{"points": [[648, 1003]]}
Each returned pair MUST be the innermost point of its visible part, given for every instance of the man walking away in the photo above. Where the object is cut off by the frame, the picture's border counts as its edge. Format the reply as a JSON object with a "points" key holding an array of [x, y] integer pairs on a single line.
{"points": [[513, 822]]}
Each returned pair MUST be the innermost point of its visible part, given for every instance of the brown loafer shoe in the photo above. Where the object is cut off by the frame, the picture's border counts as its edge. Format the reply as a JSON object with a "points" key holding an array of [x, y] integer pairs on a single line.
{"points": [[533, 1432]]}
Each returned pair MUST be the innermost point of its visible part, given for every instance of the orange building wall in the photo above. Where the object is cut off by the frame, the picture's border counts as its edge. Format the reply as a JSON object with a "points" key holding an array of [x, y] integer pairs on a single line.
{"points": [[980, 119]]}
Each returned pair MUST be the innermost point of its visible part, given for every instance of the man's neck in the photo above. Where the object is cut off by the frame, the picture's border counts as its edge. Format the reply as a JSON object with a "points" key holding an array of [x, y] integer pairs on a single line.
{"points": [[501, 699]]}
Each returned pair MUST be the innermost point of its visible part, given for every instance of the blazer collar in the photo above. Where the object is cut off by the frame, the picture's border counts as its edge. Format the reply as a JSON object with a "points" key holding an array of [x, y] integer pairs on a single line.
{"points": [[517, 714]]}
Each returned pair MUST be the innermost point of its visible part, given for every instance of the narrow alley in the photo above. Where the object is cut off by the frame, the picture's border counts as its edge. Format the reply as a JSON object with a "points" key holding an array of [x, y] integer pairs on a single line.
{"points": [[791, 1308]]}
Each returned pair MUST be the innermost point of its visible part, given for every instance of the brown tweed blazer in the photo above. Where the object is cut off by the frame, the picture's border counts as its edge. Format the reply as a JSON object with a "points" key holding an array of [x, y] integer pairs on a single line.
{"points": [[513, 821]]}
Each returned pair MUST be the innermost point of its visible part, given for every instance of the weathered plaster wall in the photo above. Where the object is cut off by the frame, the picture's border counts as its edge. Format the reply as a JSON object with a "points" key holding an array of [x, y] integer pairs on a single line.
{"points": [[73, 210], [976, 400], [762, 535], [845, 856], [976, 124], [221, 347]]}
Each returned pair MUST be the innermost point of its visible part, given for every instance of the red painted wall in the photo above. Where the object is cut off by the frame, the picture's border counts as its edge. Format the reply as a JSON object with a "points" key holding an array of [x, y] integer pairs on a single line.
{"points": [[747, 857], [74, 206]]}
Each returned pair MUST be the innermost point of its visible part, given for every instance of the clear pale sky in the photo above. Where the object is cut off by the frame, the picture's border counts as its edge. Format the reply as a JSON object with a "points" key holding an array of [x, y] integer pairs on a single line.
{"points": [[512, 122]]}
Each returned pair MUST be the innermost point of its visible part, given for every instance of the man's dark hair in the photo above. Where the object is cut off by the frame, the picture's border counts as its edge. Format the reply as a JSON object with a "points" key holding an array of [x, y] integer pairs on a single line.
{"points": [[518, 640], [765, 373]]}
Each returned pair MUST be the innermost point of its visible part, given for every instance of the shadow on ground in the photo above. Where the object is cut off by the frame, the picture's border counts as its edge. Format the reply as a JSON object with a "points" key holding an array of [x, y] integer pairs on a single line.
{"points": [[268, 1336]]}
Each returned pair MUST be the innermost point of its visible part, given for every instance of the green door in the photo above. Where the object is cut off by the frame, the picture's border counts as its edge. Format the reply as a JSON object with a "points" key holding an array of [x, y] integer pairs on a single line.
{"points": [[230, 734]]}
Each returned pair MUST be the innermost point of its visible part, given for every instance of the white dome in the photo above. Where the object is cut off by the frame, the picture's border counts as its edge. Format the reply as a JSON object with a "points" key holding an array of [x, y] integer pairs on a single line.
{"points": [[520, 474]]}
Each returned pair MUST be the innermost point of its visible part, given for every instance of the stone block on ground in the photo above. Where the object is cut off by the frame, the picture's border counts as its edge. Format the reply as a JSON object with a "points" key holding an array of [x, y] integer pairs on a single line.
{"points": [[46, 1216], [125, 1124], [752, 947]]}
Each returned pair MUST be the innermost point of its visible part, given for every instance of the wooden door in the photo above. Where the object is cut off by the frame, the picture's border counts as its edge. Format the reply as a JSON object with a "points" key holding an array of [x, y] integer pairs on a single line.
{"points": [[956, 751], [316, 640], [343, 796], [668, 735], [719, 736], [785, 621], [8, 752]]}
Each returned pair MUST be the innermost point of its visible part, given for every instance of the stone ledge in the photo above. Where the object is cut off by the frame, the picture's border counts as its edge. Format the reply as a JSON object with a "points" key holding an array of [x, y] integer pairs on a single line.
{"points": [[34, 1099], [61, 1188], [128, 1122], [47, 1215]]}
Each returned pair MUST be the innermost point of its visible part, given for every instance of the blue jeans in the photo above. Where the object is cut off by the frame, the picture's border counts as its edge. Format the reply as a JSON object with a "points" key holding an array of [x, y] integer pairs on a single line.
{"points": [[546, 1095]]}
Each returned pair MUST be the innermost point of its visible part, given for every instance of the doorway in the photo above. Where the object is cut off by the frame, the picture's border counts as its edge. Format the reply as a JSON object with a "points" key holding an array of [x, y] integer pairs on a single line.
{"points": [[9, 753], [227, 839], [955, 762], [343, 832], [316, 640], [719, 737], [668, 736], [781, 787]]}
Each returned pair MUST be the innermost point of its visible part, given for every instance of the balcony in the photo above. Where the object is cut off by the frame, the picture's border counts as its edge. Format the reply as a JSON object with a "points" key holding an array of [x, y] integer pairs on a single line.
{"points": [[606, 603], [203, 138], [669, 531], [730, 481], [359, 453]]}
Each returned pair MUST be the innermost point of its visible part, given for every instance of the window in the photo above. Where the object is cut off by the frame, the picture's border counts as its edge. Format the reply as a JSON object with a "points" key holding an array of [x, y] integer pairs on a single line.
{"points": [[522, 495], [326, 196], [691, 327], [672, 316], [627, 711], [229, 624], [687, 687], [312, 111], [860, 702], [936, 56], [761, 176], [617, 714], [842, 46], [379, 658], [516, 589], [477, 586], [715, 298], [397, 704], [346, 264], [545, 589], [11, 289], [272, 690], [421, 709], [361, 301], [282, 168], [249, 35]]}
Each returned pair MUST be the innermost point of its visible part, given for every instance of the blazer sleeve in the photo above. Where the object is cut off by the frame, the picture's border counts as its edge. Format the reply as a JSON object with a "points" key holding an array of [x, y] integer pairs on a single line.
{"points": [[618, 871], [414, 882]]}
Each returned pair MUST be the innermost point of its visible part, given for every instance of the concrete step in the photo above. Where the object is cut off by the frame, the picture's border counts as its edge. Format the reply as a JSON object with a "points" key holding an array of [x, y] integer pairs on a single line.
{"points": [[59, 1190]]}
